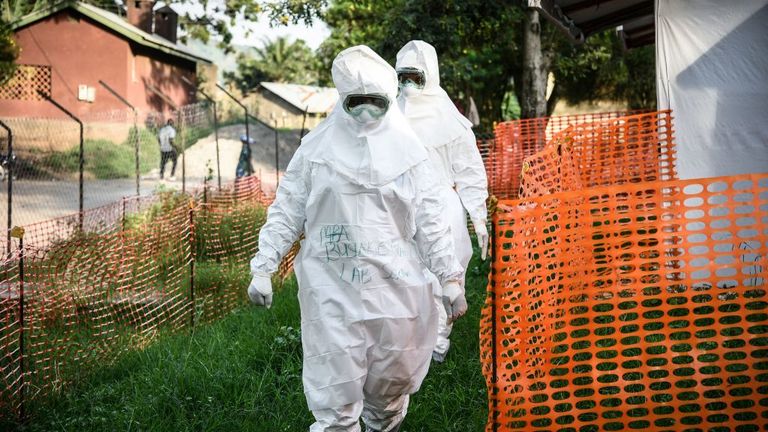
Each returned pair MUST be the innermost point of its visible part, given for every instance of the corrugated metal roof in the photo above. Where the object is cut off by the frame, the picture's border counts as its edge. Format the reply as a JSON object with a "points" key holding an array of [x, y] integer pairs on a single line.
{"points": [[313, 99], [115, 23], [581, 18]]}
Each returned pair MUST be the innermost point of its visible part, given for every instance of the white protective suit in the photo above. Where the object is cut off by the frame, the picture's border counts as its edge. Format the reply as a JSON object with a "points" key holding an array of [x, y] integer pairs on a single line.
{"points": [[365, 197], [454, 155]]}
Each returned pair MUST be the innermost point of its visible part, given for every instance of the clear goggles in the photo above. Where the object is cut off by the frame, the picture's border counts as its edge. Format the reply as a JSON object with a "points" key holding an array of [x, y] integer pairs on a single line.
{"points": [[411, 76], [355, 100]]}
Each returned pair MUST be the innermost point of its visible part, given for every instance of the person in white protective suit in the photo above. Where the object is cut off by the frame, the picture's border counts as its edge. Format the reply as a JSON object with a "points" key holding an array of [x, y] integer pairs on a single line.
{"points": [[454, 155], [361, 189]]}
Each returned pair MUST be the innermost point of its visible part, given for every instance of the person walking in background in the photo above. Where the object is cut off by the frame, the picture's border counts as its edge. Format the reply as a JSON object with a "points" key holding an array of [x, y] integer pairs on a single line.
{"points": [[167, 137], [455, 159], [244, 165]]}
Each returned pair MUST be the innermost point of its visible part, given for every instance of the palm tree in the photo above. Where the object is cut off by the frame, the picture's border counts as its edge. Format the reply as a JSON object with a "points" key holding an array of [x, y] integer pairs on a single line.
{"points": [[278, 60]]}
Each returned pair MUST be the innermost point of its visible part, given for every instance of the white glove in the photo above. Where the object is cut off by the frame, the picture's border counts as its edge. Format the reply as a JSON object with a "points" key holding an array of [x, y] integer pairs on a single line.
{"points": [[260, 290], [454, 302], [482, 237]]}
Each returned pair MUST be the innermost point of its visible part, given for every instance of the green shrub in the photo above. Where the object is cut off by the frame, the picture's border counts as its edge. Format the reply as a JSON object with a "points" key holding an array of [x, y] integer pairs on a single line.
{"points": [[106, 159]]}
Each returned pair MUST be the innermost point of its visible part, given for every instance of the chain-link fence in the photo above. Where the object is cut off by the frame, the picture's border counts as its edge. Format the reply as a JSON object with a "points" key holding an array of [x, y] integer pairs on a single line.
{"points": [[117, 155], [74, 297]]}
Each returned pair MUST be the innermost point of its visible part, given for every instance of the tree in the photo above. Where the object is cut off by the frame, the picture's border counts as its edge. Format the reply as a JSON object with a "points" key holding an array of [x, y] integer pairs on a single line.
{"points": [[217, 19], [280, 61], [12, 10], [481, 48], [466, 35], [601, 69], [9, 52], [535, 67]]}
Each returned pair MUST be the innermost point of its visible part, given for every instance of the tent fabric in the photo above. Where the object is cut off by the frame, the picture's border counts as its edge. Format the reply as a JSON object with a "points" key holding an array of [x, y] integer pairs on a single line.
{"points": [[712, 72]]}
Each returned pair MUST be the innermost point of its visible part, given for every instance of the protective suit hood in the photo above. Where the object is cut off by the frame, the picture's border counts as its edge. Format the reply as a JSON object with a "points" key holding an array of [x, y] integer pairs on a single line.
{"points": [[432, 113], [369, 154]]}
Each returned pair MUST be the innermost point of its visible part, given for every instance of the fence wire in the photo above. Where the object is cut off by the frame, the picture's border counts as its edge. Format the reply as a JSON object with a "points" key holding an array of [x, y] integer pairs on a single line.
{"points": [[120, 156], [135, 270]]}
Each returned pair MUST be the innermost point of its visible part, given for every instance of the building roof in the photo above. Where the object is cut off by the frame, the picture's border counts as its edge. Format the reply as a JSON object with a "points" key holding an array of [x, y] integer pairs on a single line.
{"points": [[114, 23], [315, 100], [581, 18]]}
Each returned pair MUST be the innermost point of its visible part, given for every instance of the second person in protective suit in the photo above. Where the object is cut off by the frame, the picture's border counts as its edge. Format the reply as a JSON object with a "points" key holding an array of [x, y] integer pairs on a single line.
{"points": [[453, 153], [361, 190]]}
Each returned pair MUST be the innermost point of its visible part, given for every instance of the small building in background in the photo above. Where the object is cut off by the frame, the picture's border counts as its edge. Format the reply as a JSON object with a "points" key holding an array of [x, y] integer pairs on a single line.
{"points": [[73, 46], [286, 105]]}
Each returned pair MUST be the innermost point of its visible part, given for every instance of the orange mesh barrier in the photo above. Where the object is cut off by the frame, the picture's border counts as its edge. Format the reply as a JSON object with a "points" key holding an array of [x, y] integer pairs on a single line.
{"points": [[628, 149], [550, 170], [135, 269], [516, 140], [633, 307]]}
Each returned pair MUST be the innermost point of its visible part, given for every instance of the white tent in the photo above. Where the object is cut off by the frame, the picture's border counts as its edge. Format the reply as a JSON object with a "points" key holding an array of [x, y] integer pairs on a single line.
{"points": [[712, 71]]}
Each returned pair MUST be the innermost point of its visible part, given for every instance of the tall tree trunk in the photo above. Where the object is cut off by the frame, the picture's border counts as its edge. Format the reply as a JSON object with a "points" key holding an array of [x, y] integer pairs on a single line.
{"points": [[535, 67]]}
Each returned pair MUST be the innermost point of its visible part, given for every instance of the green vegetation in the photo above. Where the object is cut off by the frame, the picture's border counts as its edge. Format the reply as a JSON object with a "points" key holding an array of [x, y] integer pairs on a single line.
{"points": [[244, 373], [278, 60], [9, 51], [106, 159]]}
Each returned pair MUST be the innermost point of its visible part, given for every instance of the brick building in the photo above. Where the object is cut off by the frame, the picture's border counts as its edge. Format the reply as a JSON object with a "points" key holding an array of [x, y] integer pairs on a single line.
{"points": [[78, 45]]}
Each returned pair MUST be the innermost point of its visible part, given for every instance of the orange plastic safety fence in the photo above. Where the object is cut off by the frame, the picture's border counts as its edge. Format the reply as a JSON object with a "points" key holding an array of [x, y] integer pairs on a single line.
{"points": [[518, 139], [92, 296], [626, 149], [10, 337], [634, 307], [549, 171], [118, 276]]}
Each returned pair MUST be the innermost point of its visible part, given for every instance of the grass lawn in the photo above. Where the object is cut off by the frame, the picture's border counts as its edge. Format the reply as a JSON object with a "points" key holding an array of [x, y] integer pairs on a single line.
{"points": [[243, 373]]}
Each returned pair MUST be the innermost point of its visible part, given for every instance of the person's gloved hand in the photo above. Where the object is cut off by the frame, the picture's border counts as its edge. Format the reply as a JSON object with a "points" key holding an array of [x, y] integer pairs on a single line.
{"points": [[482, 237], [260, 290], [453, 300]]}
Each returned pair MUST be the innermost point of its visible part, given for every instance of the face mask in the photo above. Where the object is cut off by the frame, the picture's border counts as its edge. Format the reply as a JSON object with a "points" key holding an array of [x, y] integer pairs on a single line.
{"points": [[410, 90], [367, 113], [412, 77]]}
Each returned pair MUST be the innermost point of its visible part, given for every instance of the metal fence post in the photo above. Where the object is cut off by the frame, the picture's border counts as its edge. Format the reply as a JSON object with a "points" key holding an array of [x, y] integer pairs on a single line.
{"points": [[137, 151], [277, 158], [182, 145], [82, 152], [18, 232], [192, 263], [9, 162], [137, 142], [123, 221], [215, 126], [216, 137], [494, 355], [247, 132]]}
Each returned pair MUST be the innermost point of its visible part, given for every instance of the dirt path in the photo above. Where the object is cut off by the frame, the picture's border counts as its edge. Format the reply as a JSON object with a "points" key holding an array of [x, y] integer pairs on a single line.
{"points": [[35, 200]]}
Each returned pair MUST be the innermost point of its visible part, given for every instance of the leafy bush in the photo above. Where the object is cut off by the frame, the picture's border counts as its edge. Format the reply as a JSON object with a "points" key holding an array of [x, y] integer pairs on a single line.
{"points": [[105, 159]]}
